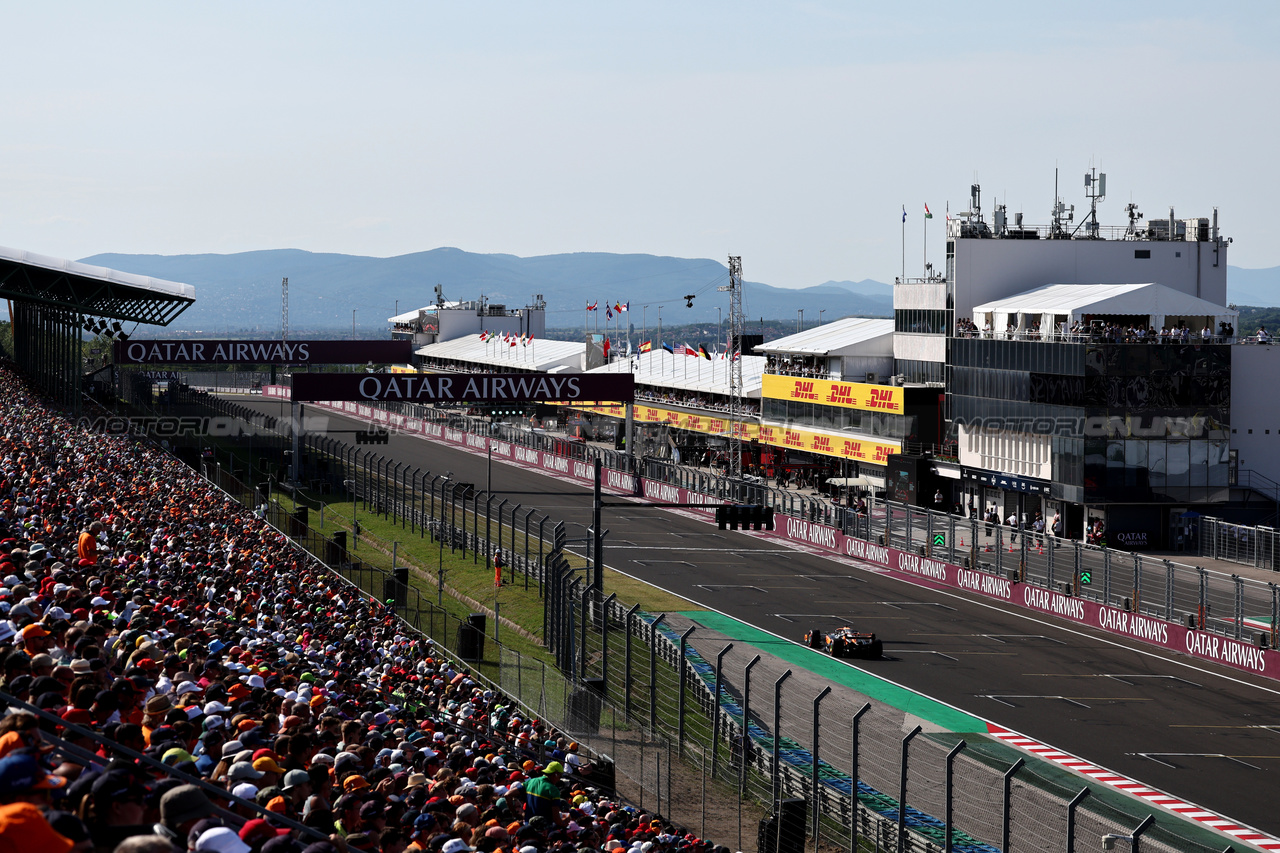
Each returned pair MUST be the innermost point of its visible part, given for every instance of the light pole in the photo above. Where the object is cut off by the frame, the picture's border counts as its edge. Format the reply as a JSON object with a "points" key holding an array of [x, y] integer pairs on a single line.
{"points": [[353, 324], [719, 322], [799, 320], [821, 311]]}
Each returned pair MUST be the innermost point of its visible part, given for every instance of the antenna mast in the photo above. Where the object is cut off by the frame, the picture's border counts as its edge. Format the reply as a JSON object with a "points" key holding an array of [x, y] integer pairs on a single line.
{"points": [[284, 309], [737, 324]]}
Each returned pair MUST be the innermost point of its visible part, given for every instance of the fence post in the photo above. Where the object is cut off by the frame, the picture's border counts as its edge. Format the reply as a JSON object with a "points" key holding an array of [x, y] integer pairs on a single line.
{"points": [[488, 528], [586, 623], [604, 641], [1078, 562], [1008, 792], [1239, 606], [475, 527], [1106, 575], [528, 515], [902, 791], [1071, 817], [1168, 589], [1204, 596], [853, 777], [746, 723], [680, 674], [501, 506], [817, 801], [1140, 830], [715, 711], [1137, 583], [653, 671], [1275, 613], [777, 743], [626, 691], [950, 790]]}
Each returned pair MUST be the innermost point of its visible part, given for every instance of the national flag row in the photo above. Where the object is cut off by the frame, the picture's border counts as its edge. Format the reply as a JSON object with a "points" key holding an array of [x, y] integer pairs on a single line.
{"points": [[506, 337], [610, 310], [678, 349]]}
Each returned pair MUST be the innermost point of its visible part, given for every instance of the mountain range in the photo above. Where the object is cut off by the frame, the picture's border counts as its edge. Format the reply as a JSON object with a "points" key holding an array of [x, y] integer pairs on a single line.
{"points": [[242, 291]]}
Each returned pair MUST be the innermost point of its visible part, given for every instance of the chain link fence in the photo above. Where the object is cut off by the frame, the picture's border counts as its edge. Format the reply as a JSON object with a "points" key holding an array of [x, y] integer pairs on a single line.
{"points": [[727, 743]]}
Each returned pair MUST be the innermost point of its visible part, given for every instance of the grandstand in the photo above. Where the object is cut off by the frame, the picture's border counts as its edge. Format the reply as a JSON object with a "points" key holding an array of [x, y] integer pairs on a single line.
{"points": [[206, 685]]}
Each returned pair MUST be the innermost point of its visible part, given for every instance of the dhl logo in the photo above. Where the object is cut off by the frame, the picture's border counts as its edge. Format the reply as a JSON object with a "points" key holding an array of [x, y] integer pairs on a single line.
{"points": [[882, 398], [883, 453], [842, 395], [793, 439], [822, 444], [804, 391], [715, 425], [853, 449], [695, 422], [673, 417], [767, 436]]}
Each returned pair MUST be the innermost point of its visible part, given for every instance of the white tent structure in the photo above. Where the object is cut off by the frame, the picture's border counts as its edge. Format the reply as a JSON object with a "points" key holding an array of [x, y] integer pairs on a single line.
{"points": [[1058, 307]]}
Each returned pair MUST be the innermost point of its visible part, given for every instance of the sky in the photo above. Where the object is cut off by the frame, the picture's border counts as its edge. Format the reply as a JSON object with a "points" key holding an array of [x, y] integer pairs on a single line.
{"points": [[790, 133]]}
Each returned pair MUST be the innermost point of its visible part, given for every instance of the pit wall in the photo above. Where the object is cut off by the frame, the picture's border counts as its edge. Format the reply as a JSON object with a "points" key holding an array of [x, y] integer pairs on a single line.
{"points": [[915, 568]]}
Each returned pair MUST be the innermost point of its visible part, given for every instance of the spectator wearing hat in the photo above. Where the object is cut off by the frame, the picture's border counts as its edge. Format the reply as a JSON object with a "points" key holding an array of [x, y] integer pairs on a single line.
{"points": [[180, 809], [542, 793], [115, 808]]}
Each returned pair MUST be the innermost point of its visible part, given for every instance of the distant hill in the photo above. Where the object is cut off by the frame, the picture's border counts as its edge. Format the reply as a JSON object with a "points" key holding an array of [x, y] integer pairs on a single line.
{"points": [[1254, 287], [241, 292]]}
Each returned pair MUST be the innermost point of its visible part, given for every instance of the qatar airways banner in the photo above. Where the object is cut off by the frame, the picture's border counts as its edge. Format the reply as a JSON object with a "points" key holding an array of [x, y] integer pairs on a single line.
{"points": [[914, 568], [464, 388], [263, 352]]}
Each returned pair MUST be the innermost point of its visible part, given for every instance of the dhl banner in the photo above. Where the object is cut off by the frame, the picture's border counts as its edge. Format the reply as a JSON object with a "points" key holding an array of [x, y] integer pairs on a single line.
{"points": [[849, 395], [679, 420], [861, 449]]}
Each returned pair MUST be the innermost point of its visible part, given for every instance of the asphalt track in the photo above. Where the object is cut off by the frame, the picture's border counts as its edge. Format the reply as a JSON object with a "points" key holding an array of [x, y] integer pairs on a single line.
{"points": [[1198, 731]]}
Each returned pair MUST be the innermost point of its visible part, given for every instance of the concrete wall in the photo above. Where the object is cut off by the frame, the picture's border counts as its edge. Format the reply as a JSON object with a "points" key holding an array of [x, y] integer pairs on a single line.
{"points": [[1255, 408], [995, 269], [920, 347]]}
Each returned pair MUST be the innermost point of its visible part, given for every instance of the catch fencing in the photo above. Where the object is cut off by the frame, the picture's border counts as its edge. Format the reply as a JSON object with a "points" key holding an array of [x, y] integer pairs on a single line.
{"points": [[749, 750]]}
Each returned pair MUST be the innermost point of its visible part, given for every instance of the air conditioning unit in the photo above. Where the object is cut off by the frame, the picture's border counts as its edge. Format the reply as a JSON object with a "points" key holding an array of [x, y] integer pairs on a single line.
{"points": [[871, 378]]}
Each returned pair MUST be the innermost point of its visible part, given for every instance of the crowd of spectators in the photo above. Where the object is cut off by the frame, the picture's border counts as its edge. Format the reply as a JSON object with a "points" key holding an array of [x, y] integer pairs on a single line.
{"points": [[1110, 332], [152, 617]]}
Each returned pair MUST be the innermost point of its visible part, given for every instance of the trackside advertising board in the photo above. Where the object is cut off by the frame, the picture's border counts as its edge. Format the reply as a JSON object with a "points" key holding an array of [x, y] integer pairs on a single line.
{"points": [[463, 388], [263, 352], [901, 564]]}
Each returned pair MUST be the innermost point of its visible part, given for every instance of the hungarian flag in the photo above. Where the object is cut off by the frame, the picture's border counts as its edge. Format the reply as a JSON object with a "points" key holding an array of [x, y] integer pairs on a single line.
{"points": [[646, 346], [927, 214], [702, 351]]}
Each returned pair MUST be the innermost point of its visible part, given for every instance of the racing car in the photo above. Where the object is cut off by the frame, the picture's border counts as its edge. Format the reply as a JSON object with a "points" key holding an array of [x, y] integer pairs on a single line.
{"points": [[845, 643]]}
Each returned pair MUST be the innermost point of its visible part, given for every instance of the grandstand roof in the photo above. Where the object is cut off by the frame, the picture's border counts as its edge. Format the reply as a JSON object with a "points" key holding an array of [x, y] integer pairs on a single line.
{"points": [[87, 289], [541, 354], [850, 336], [661, 369]]}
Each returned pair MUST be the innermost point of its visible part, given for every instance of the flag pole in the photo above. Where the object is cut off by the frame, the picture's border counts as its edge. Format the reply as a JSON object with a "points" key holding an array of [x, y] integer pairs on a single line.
{"points": [[924, 229], [904, 244]]}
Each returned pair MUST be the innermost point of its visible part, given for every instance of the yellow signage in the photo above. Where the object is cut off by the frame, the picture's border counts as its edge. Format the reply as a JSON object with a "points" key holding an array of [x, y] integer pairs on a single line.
{"points": [[861, 449], [825, 392], [710, 424]]}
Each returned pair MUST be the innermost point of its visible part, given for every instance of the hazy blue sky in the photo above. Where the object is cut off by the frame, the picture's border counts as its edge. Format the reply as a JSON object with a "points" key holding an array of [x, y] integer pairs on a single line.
{"points": [[788, 133]]}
